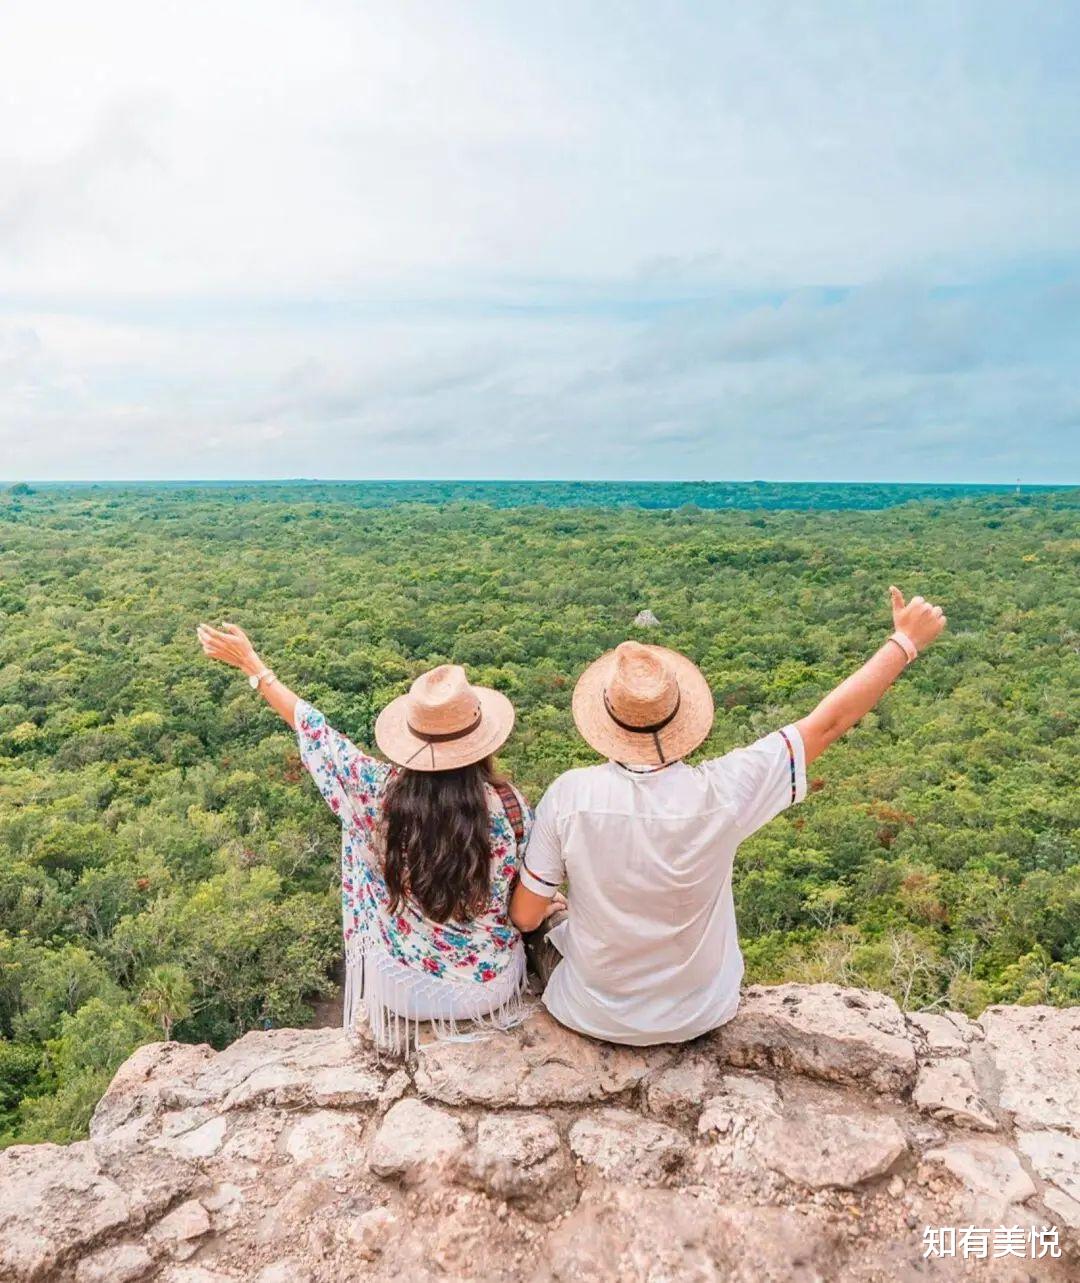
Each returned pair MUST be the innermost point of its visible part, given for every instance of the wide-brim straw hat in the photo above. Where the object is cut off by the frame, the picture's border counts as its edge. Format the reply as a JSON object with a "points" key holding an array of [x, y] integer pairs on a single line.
{"points": [[444, 722], [643, 705]]}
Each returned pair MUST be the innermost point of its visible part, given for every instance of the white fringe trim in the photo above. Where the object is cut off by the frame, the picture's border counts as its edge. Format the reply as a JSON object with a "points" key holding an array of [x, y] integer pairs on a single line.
{"points": [[392, 1000]]}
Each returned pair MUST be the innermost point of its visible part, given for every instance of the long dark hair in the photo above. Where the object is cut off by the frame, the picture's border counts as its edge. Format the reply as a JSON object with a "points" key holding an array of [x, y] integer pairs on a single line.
{"points": [[436, 840]]}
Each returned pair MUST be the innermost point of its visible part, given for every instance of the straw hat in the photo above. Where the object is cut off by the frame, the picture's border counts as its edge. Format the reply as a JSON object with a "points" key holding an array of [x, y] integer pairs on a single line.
{"points": [[443, 722], [643, 705]]}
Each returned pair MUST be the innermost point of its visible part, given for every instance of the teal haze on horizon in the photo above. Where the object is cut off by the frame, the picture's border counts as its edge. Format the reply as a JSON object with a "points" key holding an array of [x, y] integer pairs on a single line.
{"points": [[448, 240]]}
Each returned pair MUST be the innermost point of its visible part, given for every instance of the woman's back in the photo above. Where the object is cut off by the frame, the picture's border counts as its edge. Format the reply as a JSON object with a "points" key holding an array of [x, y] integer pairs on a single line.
{"points": [[399, 959], [429, 845]]}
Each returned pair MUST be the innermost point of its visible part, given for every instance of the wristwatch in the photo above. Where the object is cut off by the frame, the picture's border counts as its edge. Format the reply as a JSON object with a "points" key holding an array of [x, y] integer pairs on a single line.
{"points": [[256, 679]]}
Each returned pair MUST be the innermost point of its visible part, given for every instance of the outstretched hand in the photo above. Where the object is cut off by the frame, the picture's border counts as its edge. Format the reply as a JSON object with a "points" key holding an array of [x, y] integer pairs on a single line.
{"points": [[918, 618], [230, 644]]}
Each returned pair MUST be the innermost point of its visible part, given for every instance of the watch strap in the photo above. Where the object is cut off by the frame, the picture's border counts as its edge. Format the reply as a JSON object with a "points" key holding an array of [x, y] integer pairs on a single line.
{"points": [[905, 643]]}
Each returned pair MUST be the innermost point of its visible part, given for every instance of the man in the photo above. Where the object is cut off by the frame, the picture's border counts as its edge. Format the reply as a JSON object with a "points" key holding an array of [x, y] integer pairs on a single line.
{"points": [[649, 951]]}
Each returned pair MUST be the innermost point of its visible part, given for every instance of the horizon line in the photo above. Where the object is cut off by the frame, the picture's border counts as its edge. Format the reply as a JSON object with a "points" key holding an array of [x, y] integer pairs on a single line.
{"points": [[536, 481]]}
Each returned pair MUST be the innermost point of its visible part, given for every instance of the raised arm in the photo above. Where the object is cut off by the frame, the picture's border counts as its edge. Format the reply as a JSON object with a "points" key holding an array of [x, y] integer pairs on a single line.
{"points": [[232, 646], [919, 622], [347, 778]]}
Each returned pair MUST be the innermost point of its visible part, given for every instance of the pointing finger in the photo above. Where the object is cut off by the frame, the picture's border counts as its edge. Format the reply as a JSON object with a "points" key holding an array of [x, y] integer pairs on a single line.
{"points": [[897, 597]]}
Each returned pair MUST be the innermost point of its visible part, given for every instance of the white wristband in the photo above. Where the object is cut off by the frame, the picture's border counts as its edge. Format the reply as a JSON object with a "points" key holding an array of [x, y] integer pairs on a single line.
{"points": [[906, 644]]}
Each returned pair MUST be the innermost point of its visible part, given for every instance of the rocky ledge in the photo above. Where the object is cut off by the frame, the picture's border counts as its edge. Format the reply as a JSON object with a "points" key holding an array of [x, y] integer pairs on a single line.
{"points": [[812, 1138]]}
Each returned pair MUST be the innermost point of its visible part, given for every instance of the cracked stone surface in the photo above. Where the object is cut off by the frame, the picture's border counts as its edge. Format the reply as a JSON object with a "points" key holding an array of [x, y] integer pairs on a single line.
{"points": [[125, 1263], [809, 1139], [841, 1035], [946, 1033], [623, 1146], [543, 1064], [1036, 1051], [1056, 1158], [523, 1159], [992, 1174], [412, 1137], [946, 1088], [819, 1148]]}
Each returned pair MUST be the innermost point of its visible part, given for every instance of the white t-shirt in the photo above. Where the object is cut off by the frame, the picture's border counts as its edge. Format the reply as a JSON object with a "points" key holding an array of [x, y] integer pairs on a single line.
{"points": [[650, 947]]}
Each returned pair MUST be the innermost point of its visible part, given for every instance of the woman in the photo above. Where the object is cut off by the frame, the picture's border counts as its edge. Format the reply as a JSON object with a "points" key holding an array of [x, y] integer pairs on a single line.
{"points": [[430, 847]]}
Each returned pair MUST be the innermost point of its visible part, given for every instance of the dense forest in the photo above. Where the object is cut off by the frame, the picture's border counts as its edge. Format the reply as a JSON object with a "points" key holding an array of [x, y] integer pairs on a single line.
{"points": [[166, 869], [568, 494]]}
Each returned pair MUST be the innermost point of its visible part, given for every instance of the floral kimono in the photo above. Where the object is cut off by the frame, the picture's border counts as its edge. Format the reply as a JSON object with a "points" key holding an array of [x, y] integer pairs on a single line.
{"points": [[402, 965]]}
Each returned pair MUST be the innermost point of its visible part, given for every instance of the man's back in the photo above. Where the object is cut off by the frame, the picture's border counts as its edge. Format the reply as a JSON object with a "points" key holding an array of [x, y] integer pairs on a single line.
{"points": [[650, 948]]}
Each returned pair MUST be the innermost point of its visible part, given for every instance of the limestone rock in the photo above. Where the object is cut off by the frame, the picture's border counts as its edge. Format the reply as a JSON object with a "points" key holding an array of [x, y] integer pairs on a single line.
{"points": [[946, 1088], [291, 1067], [201, 1274], [678, 1091], [223, 1202], [1066, 1209], [252, 1138], [286, 1270], [326, 1140], [636, 1235], [521, 1158], [539, 1063], [821, 1149], [178, 1231], [623, 1146], [633, 1235], [1055, 1157], [1036, 1051], [646, 619], [751, 1244], [272, 1084], [414, 1136], [346, 1086], [946, 1033], [126, 1263], [56, 1201], [296, 1156], [824, 1031], [372, 1232], [191, 1138], [304, 1201], [152, 1180], [741, 1104], [992, 1174], [147, 1083]]}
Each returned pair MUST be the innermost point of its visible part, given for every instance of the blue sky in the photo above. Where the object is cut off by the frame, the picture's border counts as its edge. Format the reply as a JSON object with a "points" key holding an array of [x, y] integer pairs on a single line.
{"points": [[319, 238]]}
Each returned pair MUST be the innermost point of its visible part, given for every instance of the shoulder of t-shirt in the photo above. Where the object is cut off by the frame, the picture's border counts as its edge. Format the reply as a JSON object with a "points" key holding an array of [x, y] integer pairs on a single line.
{"points": [[563, 788], [735, 757], [769, 737]]}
